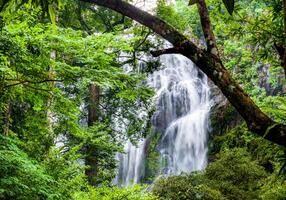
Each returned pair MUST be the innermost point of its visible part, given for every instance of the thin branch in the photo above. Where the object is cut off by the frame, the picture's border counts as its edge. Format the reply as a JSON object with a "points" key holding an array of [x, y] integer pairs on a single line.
{"points": [[81, 20], [31, 82], [41, 89], [143, 41], [167, 51], [120, 21]]}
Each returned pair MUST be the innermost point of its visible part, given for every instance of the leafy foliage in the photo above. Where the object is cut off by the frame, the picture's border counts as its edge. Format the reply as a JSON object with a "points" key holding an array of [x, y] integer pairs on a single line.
{"points": [[44, 79], [232, 176], [106, 193], [45, 72], [21, 176]]}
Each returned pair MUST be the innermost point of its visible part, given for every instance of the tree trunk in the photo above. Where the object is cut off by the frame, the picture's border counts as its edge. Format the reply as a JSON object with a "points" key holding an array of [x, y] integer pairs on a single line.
{"points": [[93, 113], [284, 52], [280, 47], [209, 63], [93, 104], [7, 118]]}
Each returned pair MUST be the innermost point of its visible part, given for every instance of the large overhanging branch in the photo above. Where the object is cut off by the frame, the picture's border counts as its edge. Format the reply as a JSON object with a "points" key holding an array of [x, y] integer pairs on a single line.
{"points": [[256, 120]]}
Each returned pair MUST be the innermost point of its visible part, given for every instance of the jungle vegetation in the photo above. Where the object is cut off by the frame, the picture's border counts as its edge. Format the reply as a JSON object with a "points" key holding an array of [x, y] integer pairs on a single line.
{"points": [[66, 99]]}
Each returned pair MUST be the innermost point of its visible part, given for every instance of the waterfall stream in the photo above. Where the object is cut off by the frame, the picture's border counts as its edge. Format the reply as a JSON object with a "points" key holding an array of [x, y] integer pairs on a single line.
{"points": [[181, 118]]}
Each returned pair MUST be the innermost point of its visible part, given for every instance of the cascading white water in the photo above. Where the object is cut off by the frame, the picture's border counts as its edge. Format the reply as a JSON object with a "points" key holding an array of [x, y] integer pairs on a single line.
{"points": [[182, 112], [183, 98], [131, 164]]}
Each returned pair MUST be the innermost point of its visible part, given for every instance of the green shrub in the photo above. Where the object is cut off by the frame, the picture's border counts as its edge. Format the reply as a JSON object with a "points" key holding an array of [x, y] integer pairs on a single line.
{"points": [[175, 187], [234, 175], [136, 192], [21, 177], [273, 188], [185, 187]]}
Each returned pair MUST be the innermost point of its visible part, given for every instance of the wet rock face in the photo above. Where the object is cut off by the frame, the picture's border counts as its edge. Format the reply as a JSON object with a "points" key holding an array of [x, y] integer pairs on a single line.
{"points": [[263, 73], [264, 82], [223, 115]]}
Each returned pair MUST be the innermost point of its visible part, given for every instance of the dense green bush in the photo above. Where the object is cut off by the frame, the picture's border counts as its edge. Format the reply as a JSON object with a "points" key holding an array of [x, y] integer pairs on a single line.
{"points": [[274, 188], [136, 192], [184, 187], [234, 175], [175, 187], [21, 177]]}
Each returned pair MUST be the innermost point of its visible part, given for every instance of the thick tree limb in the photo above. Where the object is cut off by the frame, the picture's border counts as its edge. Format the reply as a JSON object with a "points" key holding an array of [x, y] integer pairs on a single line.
{"points": [[207, 28], [156, 24], [282, 55], [256, 120]]}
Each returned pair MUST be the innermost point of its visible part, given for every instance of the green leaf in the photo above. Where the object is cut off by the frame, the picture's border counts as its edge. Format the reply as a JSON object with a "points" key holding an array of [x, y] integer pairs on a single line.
{"points": [[52, 15]]}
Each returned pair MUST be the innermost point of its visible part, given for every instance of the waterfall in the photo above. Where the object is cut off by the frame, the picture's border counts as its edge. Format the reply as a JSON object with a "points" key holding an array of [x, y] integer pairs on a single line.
{"points": [[183, 105], [131, 164], [181, 118]]}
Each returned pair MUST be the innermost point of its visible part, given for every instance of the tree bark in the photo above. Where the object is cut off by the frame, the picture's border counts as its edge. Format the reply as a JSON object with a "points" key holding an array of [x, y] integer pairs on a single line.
{"points": [[207, 28], [93, 104], [281, 46], [284, 52], [7, 120], [93, 115], [209, 63]]}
